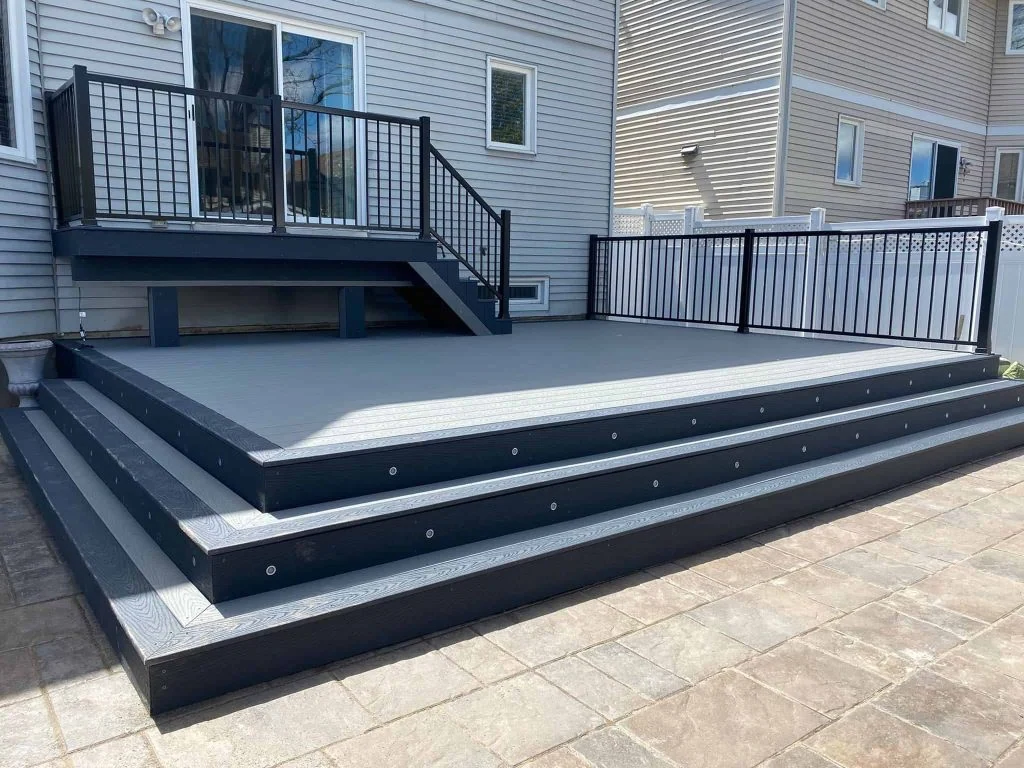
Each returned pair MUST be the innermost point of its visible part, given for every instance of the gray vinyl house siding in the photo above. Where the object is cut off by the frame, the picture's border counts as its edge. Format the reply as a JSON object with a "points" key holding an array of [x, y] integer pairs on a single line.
{"points": [[26, 268], [421, 58], [699, 72]]}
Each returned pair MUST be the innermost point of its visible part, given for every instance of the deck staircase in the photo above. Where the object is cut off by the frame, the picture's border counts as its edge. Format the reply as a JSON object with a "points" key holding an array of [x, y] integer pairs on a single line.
{"points": [[213, 566]]}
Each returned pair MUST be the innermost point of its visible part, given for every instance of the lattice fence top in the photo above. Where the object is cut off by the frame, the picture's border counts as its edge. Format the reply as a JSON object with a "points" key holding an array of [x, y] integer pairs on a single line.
{"points": [[668, 225], [626, 224], [1013, 233]]}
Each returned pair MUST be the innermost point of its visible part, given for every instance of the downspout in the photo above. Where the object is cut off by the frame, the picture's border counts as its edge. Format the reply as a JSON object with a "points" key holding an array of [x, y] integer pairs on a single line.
{"points": [[785, 93], [47, 167], [615, 109]]}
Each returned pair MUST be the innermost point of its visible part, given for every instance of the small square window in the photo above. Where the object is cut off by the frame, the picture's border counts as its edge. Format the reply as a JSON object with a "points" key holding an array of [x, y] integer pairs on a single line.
{"points": [[948, 17], [849, 151], [511, 111], [1015, 29]]}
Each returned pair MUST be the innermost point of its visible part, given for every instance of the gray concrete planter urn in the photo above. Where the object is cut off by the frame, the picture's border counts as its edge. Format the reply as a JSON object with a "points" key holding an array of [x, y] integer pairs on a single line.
{"points": [[24, 363]]}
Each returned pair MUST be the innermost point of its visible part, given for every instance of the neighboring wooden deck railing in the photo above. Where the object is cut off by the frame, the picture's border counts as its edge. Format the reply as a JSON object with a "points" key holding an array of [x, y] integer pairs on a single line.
{"points": [[960, 206]]}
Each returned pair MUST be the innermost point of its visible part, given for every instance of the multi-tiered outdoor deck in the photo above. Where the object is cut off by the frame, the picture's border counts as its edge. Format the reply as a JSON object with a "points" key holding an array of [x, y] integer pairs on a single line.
{"points": [[239, 508]]}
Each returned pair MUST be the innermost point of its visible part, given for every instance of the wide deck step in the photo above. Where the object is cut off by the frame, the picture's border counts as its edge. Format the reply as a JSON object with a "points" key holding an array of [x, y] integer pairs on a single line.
{"points": [[180, 648], [271, 478], [228, 549]]}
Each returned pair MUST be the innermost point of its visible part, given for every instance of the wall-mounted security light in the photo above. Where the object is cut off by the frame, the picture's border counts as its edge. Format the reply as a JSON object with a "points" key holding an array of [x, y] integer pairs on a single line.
{"points": [[159, 22], [690, 151]]}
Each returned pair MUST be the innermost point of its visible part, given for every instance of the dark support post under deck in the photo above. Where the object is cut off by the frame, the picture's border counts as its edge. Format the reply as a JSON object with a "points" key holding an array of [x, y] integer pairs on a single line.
{"points": [[988, 286], [592, 278], [163, 317], [352, 312]]}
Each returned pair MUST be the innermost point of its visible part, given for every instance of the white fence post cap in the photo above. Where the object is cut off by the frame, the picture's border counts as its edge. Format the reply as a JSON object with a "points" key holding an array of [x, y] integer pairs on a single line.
{"points": [[995, 213]]}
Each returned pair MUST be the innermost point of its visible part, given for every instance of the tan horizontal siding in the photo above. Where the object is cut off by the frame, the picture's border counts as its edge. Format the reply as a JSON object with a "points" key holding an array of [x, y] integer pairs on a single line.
{"points": [[893, 54], [810, 167], [732, 176], [675, 47], [1007, 102]]}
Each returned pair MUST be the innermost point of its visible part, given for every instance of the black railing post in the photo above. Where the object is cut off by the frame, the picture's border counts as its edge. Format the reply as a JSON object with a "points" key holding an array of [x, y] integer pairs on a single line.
{"points": [[986, 310], [424, 178], [55, 170], [83, 119], [746, 278], [592, 278], [506, 262], [277, 166]]}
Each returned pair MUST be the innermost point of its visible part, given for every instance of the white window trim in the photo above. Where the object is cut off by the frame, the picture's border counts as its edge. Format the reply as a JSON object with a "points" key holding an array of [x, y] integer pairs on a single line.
{"points": [[530, 122], [1009, 29], [962, 37], [1020, 171], [21, 88], [879, 4], [959, 155], [858, 153], [543, 292]]}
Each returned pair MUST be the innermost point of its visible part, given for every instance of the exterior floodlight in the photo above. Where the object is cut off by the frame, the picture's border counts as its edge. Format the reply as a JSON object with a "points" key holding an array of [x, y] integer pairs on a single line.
{"points": [[690, 151], [159, 22]]}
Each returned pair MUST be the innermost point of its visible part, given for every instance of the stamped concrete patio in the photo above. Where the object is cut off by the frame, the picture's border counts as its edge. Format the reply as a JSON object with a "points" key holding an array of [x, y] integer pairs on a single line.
{"points": [[887, 634]]}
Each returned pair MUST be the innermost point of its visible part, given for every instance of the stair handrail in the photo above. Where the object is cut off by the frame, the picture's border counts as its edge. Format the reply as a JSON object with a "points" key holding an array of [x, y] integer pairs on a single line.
{"points": [[495, 230]]}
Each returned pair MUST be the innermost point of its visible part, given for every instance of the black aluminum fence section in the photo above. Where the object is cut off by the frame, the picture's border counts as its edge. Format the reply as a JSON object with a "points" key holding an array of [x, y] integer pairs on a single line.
{"points": [[686, 278], [931, 286], [466, 226]]}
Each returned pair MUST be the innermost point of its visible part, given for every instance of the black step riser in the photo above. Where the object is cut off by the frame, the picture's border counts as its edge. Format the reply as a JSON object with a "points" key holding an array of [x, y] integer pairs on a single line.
{"points": [[143, 487], [243, 571], [223, 450], [215, 669], [339, 477]]}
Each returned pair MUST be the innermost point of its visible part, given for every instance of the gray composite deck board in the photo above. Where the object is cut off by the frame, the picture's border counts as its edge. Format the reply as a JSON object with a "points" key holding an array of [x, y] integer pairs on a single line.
{"points": [[306, 392]]}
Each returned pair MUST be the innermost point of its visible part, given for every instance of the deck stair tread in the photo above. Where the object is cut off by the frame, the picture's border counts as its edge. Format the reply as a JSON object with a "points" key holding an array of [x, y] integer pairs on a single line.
{"points": [[225, 544], [281, 609], [242, 516]]}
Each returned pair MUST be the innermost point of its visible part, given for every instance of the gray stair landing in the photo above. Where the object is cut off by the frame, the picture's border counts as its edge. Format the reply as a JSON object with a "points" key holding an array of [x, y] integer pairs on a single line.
{"points": [[179, 649]]}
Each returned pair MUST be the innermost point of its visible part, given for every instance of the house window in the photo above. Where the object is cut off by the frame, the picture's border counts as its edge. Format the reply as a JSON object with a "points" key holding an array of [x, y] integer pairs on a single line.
{"points": [[933, 169], [1015, 29], [948, 17], [1009, 179], [849, 151], [16, 137], [511, 100]]}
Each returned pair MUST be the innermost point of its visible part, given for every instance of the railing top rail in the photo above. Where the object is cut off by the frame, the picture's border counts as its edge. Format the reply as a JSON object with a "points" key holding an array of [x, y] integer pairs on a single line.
{"points": [[181, 90], [469, 187], [697, 236], [339, 112]]}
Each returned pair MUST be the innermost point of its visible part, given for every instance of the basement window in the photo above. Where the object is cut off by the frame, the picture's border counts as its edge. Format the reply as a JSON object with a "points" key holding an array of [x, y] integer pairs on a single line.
{"points": [[524, 293]]}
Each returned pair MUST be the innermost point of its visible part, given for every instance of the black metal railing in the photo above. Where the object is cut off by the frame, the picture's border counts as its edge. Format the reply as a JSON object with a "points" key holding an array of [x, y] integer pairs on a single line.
{"points": [[463, 222], [922, 285], [132, 149]]}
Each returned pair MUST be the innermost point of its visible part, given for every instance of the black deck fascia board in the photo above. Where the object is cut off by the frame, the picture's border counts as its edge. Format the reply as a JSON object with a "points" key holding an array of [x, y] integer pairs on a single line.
{"points": [[272, 478], [227, 271], [142, 243], [202, 660], [219, 445], [127, 608], [234, 563], [247, 643]]}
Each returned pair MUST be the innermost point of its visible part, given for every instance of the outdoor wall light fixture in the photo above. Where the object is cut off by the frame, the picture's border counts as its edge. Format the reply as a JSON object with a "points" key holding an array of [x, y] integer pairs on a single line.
{"points": [[159, 22], [965, 166], [690, 151]]}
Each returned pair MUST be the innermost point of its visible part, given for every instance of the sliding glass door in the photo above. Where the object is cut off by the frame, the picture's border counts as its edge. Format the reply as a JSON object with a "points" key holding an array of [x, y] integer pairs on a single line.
{"points": [[258, 58]]}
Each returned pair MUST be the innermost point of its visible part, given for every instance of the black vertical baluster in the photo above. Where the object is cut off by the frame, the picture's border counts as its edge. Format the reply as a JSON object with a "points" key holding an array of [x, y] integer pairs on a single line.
{"points": [[219, 153], [960, 287], [156, 155], [174, 164], [835, 278], [106, 146], [895, 272], [856, 284], [124, 146], [229, 113], [138, 144], [931, 290], [920, 281], [871, 281], [973, 328], [945, 289], [906, 281], [846, 287], [390, 209]]}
